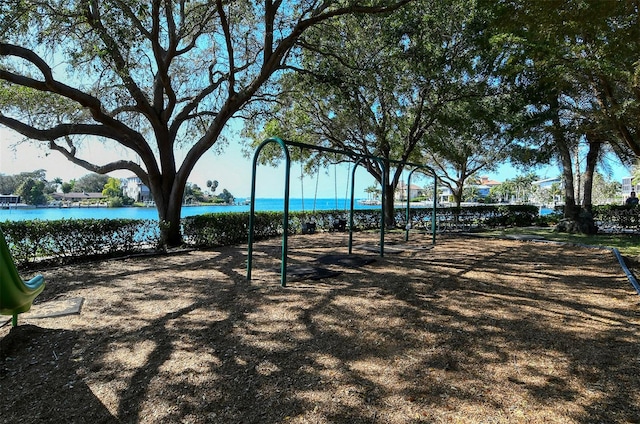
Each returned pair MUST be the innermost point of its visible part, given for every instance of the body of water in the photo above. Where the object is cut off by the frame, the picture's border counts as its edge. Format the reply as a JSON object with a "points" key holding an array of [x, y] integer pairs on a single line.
{"points": [[19, 214]]}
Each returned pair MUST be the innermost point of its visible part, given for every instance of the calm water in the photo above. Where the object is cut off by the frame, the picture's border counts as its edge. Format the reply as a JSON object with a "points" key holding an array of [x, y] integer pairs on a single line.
{"points": [[151, 213]]}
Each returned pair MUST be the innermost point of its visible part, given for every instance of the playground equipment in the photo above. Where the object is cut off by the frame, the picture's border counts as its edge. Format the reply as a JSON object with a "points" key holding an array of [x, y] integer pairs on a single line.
{"points": [[435, 202], [285, 221], [308, 227], [16, 295]]}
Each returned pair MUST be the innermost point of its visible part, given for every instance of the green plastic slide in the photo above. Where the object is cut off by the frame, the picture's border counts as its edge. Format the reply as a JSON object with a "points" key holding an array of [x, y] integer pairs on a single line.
{"points": [[16, 295]]}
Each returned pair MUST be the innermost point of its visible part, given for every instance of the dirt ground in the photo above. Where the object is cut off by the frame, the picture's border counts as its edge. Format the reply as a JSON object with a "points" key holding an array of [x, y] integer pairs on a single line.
{"points": [[470, 331]]}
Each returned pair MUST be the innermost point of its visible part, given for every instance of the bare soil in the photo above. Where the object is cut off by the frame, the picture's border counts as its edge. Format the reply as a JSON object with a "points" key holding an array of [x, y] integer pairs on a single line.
{"points": [[471, 331]]}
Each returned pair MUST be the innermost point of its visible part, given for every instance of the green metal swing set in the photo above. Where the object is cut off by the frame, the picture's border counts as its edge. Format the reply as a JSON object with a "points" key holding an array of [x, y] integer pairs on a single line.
{"points": [[287, 180]]}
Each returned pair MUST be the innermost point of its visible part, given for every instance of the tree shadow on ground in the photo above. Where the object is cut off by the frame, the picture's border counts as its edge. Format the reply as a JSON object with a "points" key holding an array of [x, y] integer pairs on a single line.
{"points": [[39, 379], [502, 333]]}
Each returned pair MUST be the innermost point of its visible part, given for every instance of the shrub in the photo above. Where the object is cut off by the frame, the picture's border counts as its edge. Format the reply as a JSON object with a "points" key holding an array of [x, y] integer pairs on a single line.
{"points": [[66, 240]]}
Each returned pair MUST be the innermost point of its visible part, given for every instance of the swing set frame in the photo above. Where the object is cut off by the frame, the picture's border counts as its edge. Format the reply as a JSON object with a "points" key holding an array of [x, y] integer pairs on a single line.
{"points": [[284, 144]]}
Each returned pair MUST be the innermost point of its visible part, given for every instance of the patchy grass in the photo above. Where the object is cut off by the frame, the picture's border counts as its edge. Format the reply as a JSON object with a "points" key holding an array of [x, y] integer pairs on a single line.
{"points": [[627, 244]]}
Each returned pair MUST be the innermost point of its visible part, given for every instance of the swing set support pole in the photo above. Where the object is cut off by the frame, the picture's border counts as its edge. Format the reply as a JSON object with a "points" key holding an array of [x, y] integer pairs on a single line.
{"points": [[353, 189], [408, 217], [433, 211], [351, 207], [435, 202], [285, 219]]}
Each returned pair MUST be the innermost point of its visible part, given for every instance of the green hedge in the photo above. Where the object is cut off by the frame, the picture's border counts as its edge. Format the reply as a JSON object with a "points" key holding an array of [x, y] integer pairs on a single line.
{"points": [[617, 218], [67, 240], [219, 229], [64, 240], [223, 229], [470, 217]]}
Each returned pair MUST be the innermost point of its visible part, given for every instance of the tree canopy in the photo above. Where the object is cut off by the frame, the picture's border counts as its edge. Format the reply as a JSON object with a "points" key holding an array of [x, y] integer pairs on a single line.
{"points": [[149, 77], [381, 86], [458, 84], [578, 68]]}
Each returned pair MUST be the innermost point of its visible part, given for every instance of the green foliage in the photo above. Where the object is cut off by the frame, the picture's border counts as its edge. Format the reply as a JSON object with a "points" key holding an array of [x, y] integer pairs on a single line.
{"points": [[212, 230], [112, 188], [617, 217], [32, 192], [63, 241], [216, 229], [212, 185], [606, 190], [91, 183], [70, 240], [518, 189], [10, 184], [67, 187], [580, 62], [226, 196], [113, 192], [193, 194], [150, 78], [548, 220], [7, 184], [470, 194]]}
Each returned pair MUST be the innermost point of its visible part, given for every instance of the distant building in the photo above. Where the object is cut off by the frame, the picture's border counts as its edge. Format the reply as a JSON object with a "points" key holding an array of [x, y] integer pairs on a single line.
{"points": [[401, 191], [77, 196], [134, 188], [628, 187], [546, 184], [9, 199], [485, 185], [446, 195]]}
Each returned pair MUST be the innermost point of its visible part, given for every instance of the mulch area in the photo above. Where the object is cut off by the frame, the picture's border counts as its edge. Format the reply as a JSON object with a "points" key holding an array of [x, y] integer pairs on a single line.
{"points": [[469, 331]]}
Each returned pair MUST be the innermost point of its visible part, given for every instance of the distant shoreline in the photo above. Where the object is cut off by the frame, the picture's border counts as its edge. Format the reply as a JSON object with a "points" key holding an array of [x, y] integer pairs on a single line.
{"points": [[28, 212]]}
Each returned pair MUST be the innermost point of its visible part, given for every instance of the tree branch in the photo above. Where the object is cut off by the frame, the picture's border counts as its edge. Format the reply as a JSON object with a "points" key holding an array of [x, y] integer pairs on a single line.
{"points": [[100, 169]]}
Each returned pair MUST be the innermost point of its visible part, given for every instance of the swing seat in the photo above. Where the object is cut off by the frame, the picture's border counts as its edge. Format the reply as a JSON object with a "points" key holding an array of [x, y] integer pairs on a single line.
{"points": [[16, 295], [340, 225], [308, 228]]}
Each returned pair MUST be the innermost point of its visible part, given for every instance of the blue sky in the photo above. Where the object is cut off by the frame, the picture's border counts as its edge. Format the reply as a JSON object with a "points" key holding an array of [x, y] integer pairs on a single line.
{"points": [[231, 169]]}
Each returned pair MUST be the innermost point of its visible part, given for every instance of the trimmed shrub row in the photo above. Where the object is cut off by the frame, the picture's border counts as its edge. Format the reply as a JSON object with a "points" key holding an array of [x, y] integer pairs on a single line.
{"points": [[617, 218], [63, 241]]}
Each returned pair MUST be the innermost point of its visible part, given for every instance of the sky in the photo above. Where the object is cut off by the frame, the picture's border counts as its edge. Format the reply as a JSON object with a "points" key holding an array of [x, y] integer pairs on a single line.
{"points": [[231, 169]]}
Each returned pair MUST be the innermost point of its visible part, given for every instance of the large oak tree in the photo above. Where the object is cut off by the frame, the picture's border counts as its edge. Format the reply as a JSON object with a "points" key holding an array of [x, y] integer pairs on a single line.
{"points": [[152, 77]]}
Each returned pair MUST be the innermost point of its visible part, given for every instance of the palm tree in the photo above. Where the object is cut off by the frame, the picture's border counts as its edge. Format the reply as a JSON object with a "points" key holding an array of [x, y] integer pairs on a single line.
{"points": [[373, 192]]}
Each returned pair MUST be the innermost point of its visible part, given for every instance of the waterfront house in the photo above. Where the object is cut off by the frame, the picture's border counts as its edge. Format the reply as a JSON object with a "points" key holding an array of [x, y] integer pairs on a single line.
{"points": [[134, 188], [6, 200], [401, 191], [628, 187], [482, 185], [485, 184]]}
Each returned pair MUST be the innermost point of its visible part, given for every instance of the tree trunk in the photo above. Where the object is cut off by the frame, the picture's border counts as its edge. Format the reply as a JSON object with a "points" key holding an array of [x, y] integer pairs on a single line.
{"points": [[570, 209], [168, 199], [389, 207], [595, 144], [170, 231], [457, 197], [564, 152]]}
